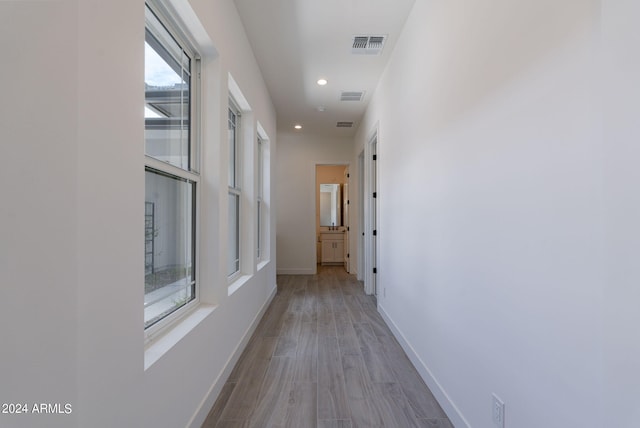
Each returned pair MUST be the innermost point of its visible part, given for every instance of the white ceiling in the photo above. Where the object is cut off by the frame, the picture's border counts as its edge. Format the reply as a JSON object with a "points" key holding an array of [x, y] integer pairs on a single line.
{"points": [[297, 42]]}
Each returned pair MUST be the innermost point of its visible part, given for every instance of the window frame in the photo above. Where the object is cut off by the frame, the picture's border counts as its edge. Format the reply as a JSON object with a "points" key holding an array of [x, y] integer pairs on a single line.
{"points": [[235, 190], [170, 170], [260, 199]]}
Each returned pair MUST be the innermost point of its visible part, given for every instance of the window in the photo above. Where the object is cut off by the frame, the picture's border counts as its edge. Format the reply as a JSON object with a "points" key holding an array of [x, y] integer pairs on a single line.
{"points": [[171, 177], [259, 202], [233, 265]]}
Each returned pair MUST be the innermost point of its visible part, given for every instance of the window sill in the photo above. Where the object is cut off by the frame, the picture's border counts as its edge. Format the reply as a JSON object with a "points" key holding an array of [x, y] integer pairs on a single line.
{"points": [[237, 283], [262, 264], [162, 344]]}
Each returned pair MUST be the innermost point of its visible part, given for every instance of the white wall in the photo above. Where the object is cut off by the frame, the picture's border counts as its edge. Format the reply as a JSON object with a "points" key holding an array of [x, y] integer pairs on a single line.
{"points": [[298, 154], [621, 133], [38, 196], [508, 213], [71, 260]]}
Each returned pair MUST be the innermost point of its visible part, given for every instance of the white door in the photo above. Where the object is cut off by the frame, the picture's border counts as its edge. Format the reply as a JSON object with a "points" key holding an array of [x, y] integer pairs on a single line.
{"points": [[361, 267], [374, 219], [370, 230], [345, 216]]}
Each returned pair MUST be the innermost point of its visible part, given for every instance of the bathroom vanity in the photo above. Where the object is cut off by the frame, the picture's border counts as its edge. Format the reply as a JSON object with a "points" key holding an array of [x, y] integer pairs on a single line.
{"points": [[332, 244]]}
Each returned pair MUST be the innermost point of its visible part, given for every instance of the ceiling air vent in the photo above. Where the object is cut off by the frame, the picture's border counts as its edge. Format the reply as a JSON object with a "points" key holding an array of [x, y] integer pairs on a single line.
{"points": [[351, 95], [344, 125], [360, 42], [368, 45]]}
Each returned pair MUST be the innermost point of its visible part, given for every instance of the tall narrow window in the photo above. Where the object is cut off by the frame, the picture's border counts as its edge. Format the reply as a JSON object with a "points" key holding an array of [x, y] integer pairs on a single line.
{"points": [[233, 265], [170, 172], [259, 201]]}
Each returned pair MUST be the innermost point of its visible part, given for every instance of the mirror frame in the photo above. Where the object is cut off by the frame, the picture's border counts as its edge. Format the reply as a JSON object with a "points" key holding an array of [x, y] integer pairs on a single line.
{"points": [[333, 212]]}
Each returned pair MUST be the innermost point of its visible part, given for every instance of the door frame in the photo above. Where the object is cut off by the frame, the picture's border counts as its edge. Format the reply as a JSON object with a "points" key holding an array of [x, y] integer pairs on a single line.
{"points": [[371, 213], [361, 216], [315, 166]]}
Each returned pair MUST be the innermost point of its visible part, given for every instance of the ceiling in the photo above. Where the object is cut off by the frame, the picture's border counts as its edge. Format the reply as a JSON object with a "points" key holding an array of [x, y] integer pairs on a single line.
{"points": [[297, 42]]}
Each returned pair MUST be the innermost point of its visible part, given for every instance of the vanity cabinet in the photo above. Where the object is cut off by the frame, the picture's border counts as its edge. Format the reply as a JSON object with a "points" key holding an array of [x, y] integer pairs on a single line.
{"points": [[332, 248]]}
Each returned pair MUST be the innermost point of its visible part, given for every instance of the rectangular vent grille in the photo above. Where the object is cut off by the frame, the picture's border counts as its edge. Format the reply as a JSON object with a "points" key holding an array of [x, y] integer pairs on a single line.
{"points": [[376, 42], [351, 95], [368, 45], [360, 42], [344, 124]]}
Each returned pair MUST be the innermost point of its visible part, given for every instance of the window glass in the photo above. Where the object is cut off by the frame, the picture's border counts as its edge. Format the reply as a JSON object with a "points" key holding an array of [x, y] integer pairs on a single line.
{"points": [[234, 234], [233, 149], [169, 244], [259, 230], [167, 81]]}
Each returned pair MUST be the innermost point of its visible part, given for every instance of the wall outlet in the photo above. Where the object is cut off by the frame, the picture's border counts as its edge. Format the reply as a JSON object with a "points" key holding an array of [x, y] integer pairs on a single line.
{"points": [[497, 408]]}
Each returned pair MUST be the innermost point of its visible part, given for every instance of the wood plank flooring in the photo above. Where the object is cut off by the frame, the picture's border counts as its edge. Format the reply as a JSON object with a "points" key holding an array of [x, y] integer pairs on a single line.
{"points": [[322, 356]]}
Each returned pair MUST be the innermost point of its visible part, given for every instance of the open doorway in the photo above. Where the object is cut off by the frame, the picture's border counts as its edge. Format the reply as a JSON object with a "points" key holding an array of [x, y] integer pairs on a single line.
{"points": [[332, 215]]}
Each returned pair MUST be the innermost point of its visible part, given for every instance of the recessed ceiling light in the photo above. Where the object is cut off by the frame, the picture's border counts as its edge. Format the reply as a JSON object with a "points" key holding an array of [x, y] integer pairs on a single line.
{"points": [[322, 82], [298, 126]]}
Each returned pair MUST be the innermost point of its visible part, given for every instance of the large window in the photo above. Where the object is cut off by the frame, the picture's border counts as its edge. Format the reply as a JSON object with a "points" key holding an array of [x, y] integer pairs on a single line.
{"points": [[233, 265], [171, 167]]}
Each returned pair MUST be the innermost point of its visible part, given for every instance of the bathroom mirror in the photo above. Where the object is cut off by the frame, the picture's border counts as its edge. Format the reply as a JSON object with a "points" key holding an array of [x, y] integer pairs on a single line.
{"points": [[330, 205]]}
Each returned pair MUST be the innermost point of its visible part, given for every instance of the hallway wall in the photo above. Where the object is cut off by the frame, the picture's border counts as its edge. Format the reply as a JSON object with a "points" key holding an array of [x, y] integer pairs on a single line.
{"points": [[298, 154], [72, 217], [620, 29], [508, 212]]}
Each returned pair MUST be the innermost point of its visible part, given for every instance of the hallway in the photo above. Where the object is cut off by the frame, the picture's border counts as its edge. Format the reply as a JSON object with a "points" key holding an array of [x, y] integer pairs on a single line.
{"points": [[322, 356]]}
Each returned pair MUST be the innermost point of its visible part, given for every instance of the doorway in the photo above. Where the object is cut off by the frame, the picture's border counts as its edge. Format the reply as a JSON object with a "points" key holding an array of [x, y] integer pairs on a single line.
{"points": [[332, 215]]}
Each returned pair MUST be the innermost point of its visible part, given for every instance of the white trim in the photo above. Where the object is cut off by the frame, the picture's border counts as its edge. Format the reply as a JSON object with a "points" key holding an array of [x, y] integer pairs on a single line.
{"points": [[239, 281], [238, 97], [261, 132], [233, 278], [173, 21], [453, 413], [313, 193], [212, 394], [235, 191], [267, 193], [361, 216], [161, 343], [186, 17], [261, 265], [171, 169]]}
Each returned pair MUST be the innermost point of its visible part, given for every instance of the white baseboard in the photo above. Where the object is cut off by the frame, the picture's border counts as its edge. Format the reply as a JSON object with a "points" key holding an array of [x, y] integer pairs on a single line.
{"points": [[452, 411], [299, 271], [210, 398]]}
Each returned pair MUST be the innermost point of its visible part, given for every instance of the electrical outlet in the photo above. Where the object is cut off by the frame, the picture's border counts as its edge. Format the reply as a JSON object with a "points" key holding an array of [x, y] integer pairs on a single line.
{"points": [[497, 407]]}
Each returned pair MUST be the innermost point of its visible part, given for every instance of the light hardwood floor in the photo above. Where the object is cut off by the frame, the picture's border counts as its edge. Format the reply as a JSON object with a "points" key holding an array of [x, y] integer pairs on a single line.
{"points": [[323, 357]]}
